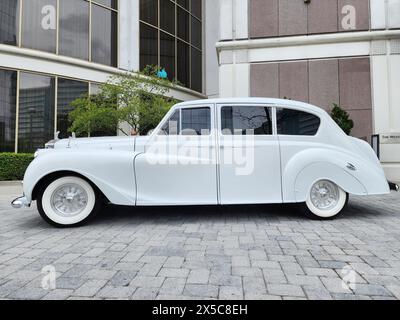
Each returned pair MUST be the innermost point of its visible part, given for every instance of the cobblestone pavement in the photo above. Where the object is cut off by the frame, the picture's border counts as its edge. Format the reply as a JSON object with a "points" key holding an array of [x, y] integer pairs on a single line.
{"points": [[246, 252]]}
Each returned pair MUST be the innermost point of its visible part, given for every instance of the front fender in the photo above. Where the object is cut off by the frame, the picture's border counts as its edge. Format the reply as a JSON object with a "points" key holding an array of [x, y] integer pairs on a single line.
{"points": [[112, 171], [309, 166]]}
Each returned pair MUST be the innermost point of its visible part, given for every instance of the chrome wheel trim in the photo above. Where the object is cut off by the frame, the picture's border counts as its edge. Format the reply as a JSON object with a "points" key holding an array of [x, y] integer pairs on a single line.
{"points": [[325, 195], [69, 200]]}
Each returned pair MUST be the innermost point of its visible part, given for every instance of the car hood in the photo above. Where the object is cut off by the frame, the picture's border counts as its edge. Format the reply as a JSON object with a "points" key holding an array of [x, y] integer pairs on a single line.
{"points": [[109, 143]]}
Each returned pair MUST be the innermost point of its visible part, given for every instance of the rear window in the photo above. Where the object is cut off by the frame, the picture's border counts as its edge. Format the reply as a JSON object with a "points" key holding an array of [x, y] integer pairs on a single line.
{"points": [[296, 123]]}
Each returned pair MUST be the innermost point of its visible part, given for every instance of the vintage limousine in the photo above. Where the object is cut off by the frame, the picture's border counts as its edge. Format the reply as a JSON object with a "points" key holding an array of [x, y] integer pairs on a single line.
{"points": [[209, 152]]}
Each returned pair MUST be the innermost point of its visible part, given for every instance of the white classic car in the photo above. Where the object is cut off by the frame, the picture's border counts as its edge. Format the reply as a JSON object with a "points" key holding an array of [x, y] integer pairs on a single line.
{"points": [[209, 152]]}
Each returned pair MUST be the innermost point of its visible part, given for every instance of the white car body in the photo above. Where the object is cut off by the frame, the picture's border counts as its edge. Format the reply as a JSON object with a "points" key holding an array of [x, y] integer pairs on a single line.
{"points": [[285, 167]]}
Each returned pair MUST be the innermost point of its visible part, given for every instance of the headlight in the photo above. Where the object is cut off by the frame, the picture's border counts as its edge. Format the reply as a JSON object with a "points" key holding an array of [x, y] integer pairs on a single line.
{"points": [[36, 154]]}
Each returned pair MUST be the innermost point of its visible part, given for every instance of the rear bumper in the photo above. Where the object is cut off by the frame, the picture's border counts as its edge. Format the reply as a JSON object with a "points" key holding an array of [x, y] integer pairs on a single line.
{"points": [[393, 186], [20, 202]]}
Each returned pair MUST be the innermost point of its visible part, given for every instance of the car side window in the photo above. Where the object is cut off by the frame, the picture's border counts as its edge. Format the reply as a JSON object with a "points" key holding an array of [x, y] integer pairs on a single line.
{"points": [[196, 121], [172, 126], [246, 120], [296, 123]]}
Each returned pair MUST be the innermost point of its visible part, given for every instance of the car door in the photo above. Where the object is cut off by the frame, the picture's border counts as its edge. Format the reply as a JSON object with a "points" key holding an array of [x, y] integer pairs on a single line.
{"points": [[179, 163], [249, 155]]}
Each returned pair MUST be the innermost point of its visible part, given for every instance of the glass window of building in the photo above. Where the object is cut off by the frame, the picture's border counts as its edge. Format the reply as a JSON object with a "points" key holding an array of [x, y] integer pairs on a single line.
{"points": [[67, 92], [171, 37], [148, 46], [63, 27], [167, 54], [183, 65], [108, 3], [39, 25], [74, 29], [36, 111], [167, 16], [104, 35], [196, 70], [9, 21], [8, 101], [183, 3], [183, 24], [149, 11]]}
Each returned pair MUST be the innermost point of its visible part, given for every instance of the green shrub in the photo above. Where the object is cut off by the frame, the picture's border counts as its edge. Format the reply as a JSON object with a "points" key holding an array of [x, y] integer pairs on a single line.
{"points": [[342, 118], [13, 166]]}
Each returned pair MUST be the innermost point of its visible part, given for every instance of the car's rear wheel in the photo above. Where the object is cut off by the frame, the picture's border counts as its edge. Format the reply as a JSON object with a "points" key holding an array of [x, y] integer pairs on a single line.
{"points": [[68, 202], [325, 201]]}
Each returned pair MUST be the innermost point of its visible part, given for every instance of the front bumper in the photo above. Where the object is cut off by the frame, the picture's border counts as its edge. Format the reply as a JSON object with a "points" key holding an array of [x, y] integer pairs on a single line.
{"points": [[393, 186], [20, 202]]}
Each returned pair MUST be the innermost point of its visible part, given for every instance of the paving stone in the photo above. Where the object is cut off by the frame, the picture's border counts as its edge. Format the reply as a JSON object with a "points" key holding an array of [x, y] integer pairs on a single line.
{"points": [[100, 274], [69, 283], [198, 276], [147, 282], [122, 278], [58, 294], [119, 293], [201, 290], [27, 293], [90, 288], [371, 290], [317, 293], [285, 290], [230, 293], [274, 276], [174, 273], [335, 285], [145, 294]]}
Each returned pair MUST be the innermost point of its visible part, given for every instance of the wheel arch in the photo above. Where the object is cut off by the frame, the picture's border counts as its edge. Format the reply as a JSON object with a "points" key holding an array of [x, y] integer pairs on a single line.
{"points": [[47, 179], [318, 171]]}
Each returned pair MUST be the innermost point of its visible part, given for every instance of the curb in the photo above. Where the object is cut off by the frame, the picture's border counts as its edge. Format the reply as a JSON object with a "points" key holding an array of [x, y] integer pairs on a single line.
{"points": [[10, 183]]}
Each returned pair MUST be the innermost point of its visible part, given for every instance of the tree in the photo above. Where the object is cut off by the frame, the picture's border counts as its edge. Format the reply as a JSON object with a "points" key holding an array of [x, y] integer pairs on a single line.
{"points": [[342, 118], [138, 100]]}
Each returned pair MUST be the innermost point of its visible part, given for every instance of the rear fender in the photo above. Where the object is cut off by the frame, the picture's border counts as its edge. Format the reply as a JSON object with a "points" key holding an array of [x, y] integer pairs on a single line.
{"points": [[354, 174]]}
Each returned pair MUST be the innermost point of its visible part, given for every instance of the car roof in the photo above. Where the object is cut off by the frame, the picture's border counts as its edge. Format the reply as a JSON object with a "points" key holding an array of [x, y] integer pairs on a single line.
{"points": [[277, 102]]}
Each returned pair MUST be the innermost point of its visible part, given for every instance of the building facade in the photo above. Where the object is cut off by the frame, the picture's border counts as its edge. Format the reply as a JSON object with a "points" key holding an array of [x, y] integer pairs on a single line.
{"points": [[345, 52], [325, 52]]}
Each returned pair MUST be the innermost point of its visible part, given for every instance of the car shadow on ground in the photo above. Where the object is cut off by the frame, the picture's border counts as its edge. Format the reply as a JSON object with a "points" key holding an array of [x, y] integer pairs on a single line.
{"points": [[119, 215], [219, 214], [198, 213]]}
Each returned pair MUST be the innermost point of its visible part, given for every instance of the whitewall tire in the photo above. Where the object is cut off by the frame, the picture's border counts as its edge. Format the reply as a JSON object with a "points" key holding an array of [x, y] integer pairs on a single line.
{"points": [[67, 202], [326, 200]]}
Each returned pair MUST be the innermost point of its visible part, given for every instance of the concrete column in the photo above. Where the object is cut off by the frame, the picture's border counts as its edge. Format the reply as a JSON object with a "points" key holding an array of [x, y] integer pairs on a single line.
{"points": [[129, 36]]}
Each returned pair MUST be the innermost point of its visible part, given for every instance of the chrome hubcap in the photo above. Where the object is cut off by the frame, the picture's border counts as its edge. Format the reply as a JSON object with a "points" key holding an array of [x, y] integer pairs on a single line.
{"points": [[69, 200], [325, 195]]}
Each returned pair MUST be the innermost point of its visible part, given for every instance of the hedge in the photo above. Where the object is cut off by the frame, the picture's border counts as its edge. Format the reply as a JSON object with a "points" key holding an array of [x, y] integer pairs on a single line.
{"points": [[13, 165]]}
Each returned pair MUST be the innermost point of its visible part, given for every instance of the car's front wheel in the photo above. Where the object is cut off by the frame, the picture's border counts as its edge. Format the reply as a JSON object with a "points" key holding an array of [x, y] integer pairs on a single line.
{"points": [[68, 202], [326, 200]]}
